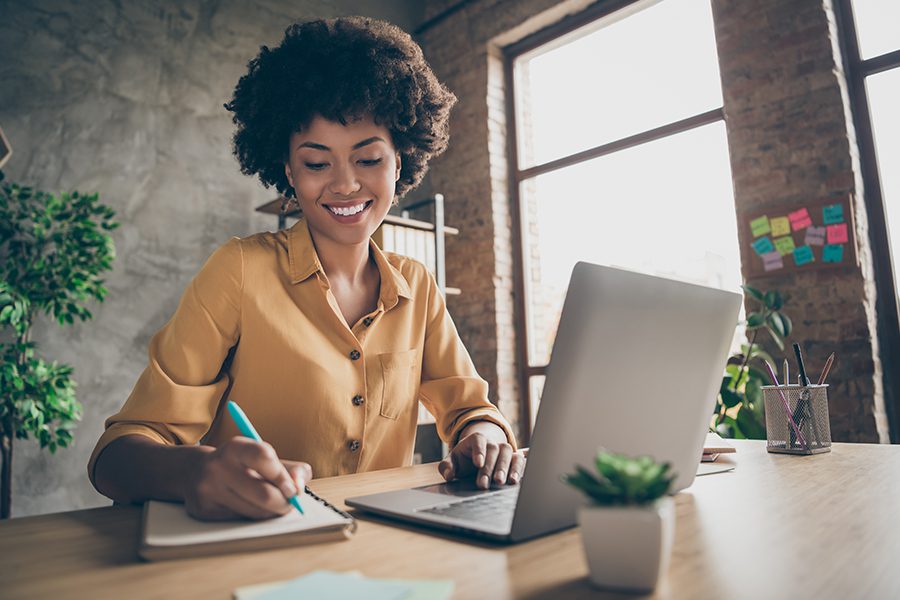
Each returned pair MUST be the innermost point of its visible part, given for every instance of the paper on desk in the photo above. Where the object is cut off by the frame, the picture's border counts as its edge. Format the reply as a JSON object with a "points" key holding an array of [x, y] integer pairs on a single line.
{"points": [[329, 585]]}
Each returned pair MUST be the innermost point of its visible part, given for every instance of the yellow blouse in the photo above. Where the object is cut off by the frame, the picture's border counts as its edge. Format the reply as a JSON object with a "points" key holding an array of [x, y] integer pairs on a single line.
{"points": [[260, 326]]}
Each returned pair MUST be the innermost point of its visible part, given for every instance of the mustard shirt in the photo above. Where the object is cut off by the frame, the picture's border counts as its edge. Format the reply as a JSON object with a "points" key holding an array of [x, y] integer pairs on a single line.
{"points": [[260, 326]]}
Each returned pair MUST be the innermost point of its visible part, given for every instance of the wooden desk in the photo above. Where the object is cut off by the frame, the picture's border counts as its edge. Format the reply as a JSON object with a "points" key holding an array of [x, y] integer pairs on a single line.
{"points": [[779, 526]]}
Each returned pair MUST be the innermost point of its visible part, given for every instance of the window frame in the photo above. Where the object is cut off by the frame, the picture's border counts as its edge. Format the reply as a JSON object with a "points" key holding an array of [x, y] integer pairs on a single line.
{"points": [[886, 305], [517, 175]]}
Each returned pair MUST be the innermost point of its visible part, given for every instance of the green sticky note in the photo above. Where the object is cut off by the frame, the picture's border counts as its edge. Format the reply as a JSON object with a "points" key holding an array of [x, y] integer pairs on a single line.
{"points": [[833, 253], [784, 245], [780, 226], [833, 214], [803, 255], [763, 245], [760, 226]]}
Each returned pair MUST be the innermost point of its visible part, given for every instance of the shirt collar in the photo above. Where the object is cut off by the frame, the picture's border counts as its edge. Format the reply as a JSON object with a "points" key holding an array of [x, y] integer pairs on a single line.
{"points": [[304, 262]]}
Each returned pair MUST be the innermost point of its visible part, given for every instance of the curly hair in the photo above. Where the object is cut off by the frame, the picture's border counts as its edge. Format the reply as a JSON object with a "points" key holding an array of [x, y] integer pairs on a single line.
{"points": [[341, 69]]}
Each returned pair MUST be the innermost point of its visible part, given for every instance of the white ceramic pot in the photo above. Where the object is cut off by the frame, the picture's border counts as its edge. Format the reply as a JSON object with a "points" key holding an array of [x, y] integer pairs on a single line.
{"points": [[627, 547]]}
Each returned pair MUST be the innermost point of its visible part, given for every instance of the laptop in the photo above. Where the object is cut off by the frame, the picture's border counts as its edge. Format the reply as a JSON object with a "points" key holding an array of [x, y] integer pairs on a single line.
{"points": [[635, 369]]}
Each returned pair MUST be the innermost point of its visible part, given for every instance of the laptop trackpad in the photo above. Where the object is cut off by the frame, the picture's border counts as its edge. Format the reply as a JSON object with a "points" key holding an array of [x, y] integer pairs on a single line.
{"points": [[461, 488]]}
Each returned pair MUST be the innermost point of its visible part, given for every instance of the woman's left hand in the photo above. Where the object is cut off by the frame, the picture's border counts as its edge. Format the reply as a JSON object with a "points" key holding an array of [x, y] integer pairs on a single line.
{"points": [[482, 454]]}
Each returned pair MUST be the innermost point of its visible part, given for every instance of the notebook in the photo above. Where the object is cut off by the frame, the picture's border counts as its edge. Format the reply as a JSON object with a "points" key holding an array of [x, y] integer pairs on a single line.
{"points": [[169, 532]]}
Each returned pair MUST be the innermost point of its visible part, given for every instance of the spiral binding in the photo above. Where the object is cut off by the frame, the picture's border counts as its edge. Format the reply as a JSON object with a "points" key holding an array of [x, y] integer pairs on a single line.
{"points": [[334, 508]]}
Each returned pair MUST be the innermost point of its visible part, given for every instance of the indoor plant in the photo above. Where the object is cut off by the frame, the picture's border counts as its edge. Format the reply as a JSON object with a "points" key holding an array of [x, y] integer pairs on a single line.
{"points": [[739, 411], [52, 252], [629, 526]]}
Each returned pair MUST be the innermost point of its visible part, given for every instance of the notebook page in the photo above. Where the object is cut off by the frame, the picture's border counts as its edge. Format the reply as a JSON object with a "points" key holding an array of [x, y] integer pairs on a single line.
{"points": [[168, 524]]}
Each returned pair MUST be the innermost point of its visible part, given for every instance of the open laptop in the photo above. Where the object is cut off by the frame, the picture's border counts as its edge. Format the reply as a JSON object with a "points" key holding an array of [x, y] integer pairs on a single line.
{"points": [[636, 366]]}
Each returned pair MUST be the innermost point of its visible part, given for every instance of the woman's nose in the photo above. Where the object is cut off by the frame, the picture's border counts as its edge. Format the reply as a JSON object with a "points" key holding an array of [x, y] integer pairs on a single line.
{"points": [[344, 182]]}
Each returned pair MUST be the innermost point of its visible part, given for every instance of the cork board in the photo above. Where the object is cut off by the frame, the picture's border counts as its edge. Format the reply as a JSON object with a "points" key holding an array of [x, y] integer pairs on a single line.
{"points": [[803, 237]]}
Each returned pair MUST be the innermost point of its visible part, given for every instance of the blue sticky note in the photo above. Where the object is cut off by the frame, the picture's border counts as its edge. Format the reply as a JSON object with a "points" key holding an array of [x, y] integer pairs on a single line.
{"points": [[763, 245], [326, 585], [803, 255], [833, 253], [833, 214]]}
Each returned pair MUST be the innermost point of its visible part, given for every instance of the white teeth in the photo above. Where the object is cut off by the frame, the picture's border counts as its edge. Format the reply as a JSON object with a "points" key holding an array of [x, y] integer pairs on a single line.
{"points": [[346, 212]]}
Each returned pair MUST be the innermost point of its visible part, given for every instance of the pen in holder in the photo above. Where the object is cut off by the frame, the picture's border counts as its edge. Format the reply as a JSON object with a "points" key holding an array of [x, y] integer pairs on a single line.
{"points": [[808, 406]]}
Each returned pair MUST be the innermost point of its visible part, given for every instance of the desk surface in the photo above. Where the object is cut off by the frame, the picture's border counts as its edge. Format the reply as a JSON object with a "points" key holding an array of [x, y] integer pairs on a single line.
{"points": [[778, 526]]}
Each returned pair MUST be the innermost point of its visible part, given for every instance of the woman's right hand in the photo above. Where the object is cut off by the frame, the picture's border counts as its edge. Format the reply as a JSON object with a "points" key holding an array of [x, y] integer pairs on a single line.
{"points": [[243, 479]]}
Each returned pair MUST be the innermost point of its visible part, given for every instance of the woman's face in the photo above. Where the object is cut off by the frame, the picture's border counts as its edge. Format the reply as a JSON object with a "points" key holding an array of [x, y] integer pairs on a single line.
{"points": [[344, 177]]}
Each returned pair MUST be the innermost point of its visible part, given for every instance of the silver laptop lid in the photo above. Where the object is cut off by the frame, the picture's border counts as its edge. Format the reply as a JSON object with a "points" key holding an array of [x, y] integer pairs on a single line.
{"points": [[635, 369]]}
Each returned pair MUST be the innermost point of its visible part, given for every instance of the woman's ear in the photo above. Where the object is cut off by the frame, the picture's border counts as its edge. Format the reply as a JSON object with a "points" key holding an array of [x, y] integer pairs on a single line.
{"points": [[397, 173], [288, 174]]}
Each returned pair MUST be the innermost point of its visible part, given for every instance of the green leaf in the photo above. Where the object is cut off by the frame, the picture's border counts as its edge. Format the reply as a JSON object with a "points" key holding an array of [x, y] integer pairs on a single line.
{"points": [[730, 398], [775, 321], [755, 320], [773, 300], [749, 425], [753, 292], [753, 392]]}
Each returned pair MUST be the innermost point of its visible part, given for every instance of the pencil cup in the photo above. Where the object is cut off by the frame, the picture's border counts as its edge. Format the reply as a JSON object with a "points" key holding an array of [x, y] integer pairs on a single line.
{"points": [[797, 419]]}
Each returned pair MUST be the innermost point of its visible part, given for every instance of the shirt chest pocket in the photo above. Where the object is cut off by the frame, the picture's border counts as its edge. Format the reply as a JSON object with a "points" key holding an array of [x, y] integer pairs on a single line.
{"points": [[400, 382]]}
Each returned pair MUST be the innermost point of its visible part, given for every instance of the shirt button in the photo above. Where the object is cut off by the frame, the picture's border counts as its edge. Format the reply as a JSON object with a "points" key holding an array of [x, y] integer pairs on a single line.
{"points": [[357, 400], [354, 354], [367, 321], [353, 445]]}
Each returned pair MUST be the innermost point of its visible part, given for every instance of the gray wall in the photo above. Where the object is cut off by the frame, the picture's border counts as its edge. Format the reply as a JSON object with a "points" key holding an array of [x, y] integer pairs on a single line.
{"points": [[125, 98]]}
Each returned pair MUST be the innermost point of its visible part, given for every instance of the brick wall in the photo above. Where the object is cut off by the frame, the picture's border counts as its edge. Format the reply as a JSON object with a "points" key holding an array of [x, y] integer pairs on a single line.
{"points": [[791, 141]]}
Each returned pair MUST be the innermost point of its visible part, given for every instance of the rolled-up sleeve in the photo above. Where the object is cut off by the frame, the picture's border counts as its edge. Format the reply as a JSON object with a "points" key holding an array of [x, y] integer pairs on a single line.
{"points": [[176, 397], [451, 388]]}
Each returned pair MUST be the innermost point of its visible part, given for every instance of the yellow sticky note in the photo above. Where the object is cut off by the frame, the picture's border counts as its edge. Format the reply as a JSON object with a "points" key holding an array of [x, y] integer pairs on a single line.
{"points": [[784, 245], [780, 226]]}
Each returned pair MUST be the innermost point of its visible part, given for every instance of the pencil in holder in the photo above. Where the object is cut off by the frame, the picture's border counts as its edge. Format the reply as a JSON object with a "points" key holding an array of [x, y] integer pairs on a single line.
{"points": [[797, 419]]}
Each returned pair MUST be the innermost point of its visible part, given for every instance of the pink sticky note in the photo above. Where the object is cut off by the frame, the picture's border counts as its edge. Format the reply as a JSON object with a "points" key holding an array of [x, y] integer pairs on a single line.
{"points": [[837, 234], [799, 219]]}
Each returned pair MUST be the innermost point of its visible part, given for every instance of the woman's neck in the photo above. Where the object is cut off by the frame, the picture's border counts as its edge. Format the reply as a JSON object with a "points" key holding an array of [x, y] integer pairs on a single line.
{"points": [[348, 263]]}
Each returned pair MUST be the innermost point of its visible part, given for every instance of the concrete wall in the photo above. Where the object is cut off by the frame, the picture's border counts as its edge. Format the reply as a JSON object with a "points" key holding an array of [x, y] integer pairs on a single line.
{"points": [[125, 98]]}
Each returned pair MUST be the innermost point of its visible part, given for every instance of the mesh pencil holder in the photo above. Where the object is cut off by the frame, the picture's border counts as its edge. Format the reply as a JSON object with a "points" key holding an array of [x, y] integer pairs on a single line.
{"points": [[808, 407]]}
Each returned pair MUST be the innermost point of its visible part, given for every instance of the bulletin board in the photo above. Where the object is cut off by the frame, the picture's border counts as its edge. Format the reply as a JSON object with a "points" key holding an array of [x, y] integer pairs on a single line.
{"points": [[803, 237]]}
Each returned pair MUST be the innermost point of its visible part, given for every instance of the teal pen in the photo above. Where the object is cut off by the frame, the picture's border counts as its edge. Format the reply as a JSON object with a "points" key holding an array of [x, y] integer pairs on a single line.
{"points": [[246, 429]]}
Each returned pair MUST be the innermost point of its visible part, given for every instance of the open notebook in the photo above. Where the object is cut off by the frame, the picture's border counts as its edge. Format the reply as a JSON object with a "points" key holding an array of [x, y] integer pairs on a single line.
{"points": [[169, 532]]}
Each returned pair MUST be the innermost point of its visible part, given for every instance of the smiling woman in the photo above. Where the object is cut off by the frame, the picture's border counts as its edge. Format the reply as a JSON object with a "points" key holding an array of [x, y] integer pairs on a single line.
{"points": [[326, 342]]}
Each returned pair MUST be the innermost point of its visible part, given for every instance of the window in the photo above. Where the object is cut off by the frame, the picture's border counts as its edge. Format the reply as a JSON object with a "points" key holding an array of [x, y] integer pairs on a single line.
{"points": [[620, 158], [871, 44]]}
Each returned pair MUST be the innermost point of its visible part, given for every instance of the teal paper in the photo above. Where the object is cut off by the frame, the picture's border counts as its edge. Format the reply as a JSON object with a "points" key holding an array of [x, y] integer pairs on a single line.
{"points": [[763, 245], [833, 214], [326, 585], [833, 253], [803, 255]]}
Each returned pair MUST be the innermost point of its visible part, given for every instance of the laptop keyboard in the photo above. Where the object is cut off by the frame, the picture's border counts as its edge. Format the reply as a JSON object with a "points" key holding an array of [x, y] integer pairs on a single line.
{"points": [[494, 509]]}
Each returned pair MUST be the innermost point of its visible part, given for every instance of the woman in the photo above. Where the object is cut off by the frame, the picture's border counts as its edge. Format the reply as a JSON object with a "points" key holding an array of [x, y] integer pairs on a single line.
{"points": [[326, 342]]}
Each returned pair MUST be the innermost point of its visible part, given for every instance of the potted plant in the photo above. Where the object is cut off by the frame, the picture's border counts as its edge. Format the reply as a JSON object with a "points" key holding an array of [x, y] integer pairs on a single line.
{"points": [[53, 250], [739, 411], [629, 526]]}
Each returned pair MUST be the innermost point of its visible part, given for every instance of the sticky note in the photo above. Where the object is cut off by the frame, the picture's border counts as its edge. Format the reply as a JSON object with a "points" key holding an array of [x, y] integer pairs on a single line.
{"points": [[837, 234], [763, 245], [815, 236], [780, 226], [833, 214], [833, 253], [800, 219], [784, 245], [772, 261], [803, 255], [760, 226]]}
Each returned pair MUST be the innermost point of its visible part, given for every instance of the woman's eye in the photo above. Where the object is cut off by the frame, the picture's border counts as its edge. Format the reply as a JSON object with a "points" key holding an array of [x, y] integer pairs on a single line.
{"points": [[315, 166], [370, 162]]}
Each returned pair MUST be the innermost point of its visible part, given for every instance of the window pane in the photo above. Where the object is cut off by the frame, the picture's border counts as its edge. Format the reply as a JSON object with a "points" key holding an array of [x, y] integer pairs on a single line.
{"points": [[884, 98], [628, 76], [877, 26], [664, 208], [535, 389]]}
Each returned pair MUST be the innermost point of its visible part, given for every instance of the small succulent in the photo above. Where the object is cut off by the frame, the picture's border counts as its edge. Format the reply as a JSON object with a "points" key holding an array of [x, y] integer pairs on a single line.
{"points": [[622, 480]]}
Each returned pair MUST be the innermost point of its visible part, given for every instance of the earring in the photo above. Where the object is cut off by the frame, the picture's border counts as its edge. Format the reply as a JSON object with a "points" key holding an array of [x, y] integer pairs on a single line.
{"points": [[289, 202]]}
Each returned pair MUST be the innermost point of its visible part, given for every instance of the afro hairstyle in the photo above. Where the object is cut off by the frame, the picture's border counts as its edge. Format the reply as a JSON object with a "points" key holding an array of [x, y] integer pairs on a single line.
{"points": [[341, 69]]}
